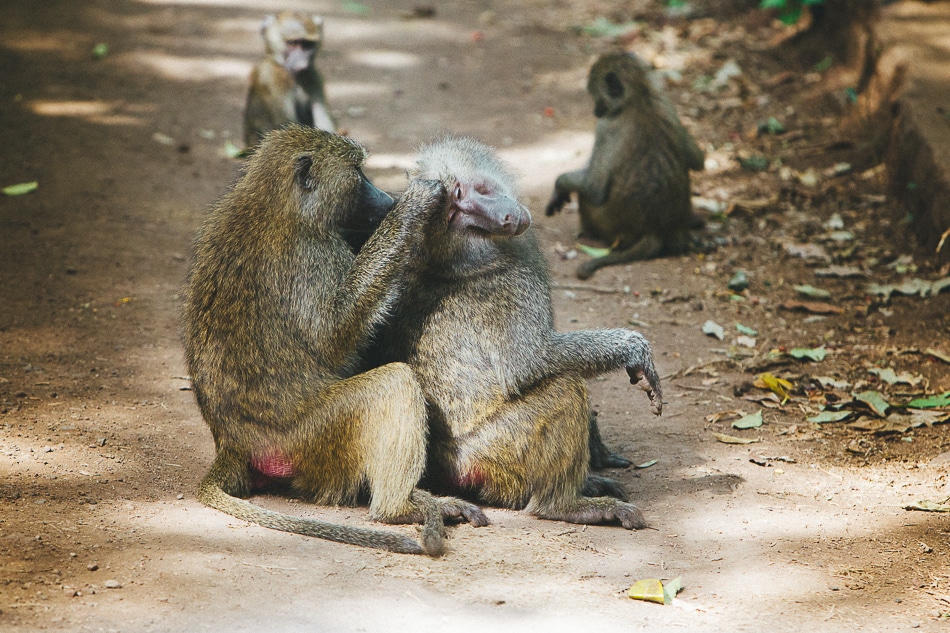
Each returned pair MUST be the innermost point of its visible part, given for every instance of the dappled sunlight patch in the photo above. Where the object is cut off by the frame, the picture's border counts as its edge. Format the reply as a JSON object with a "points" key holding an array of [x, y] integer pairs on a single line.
{"points": [[349, 89], [63, 42], [102, 112], [389, 59], [182, 68], [421, 32], [551, 154]]}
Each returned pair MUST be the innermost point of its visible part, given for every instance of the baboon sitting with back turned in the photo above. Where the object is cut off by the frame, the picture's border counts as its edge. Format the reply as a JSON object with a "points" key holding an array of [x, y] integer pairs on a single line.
{"points": [[508, 406], [634, 195], [277, 316]]}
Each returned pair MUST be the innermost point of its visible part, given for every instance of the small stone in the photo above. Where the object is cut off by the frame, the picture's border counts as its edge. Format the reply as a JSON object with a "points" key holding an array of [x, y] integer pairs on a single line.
{"points": [[739, 281], [180, 497], [92, 566], [113, 584]]}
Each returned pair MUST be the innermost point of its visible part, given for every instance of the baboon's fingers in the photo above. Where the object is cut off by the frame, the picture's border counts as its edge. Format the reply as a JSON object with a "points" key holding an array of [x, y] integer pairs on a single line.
{"points": [[474, 515], [455, 509], [638, 378]]}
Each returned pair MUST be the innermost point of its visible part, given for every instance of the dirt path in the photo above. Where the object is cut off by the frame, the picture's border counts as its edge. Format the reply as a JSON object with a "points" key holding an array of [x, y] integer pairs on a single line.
{"points": [[102, 446]]}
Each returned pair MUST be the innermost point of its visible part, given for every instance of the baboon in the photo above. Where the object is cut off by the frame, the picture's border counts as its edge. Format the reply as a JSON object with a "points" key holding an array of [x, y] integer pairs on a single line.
{"points": [[634, 195], [508, 405], [277, 315], [286, 85]]}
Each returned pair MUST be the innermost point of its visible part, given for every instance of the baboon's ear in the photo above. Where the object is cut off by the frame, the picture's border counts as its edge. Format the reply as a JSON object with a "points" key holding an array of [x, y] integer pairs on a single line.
{"points": [[302, 173], [614, 85]]}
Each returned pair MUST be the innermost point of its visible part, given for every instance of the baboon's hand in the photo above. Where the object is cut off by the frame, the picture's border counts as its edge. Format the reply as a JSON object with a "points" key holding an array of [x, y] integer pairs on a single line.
{"points": [[426, 197], [649, 384], [558, 200]]}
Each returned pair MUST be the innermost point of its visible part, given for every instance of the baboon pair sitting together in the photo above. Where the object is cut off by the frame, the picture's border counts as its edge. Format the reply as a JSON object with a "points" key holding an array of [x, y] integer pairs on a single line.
{"points": [[429, 351]]}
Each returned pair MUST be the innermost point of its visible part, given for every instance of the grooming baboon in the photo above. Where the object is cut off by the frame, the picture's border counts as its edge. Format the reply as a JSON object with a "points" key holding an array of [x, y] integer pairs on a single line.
{"points": [[286, 85], [277, 316], [508, 406], [634, 194]]}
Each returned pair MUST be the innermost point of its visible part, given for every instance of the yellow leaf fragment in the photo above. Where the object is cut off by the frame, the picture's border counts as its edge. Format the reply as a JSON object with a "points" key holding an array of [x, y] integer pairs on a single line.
{"points": [[649, 589], [778, 386]]}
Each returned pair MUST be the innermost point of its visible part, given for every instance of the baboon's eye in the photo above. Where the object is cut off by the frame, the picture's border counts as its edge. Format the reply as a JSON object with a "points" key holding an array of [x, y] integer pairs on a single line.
{"points": [[458, 192]]}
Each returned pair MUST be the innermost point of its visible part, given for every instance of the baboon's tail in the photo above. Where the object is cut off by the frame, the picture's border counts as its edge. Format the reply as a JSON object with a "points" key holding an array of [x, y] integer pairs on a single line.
{"points": [[211, 494]]}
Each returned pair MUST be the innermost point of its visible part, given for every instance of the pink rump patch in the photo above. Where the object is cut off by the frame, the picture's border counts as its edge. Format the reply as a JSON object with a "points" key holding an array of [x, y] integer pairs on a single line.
{"points": [[273, 465]]}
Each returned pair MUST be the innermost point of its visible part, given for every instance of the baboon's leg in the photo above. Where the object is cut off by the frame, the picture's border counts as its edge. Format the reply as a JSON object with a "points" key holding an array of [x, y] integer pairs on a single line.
{"points": [[600, 456], [533, 452], [371, 429]]}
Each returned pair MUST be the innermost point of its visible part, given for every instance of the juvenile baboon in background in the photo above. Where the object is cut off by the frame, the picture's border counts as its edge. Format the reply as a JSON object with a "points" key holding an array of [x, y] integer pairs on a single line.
{"points": [[277, 315], [508, 405], [286, 85], [634, 195]]}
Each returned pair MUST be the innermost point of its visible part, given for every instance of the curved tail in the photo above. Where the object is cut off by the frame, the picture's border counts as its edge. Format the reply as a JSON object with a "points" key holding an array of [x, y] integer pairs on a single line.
{"points": [[211, 494]]}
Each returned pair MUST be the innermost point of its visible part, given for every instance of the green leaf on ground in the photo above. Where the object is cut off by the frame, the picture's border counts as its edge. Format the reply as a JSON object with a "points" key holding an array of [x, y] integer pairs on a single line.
{"points": [[810, 291], [829, 416], [711, 328], [602, 27], [671, 588], [21, 188], [233, 151], [593, 251], [816, 354], [647, 464], [931, 402], [100, 50], [891, 377], [751, 421], [742, 329], [356, 8], [874, 400]]}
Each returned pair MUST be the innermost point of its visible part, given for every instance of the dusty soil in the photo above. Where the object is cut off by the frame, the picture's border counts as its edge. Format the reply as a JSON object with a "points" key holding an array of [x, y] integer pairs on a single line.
{"points": [[102, 446]]}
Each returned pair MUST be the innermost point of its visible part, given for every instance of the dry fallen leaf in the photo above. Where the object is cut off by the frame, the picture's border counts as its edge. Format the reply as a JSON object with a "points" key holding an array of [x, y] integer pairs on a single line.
{"points": [[729, 439], [814, 307]]}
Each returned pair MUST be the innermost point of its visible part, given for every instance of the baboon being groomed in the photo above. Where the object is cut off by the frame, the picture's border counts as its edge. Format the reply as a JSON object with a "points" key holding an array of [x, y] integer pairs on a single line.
{"points": [[508, 404]]}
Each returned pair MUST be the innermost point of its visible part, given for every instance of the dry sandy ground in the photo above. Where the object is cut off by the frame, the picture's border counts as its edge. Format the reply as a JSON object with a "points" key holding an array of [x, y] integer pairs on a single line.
{"points": [[102, 446]]}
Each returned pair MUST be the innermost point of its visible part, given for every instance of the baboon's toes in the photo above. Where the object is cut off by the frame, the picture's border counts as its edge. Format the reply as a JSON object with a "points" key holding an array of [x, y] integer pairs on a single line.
{"points": [[630, 516]]}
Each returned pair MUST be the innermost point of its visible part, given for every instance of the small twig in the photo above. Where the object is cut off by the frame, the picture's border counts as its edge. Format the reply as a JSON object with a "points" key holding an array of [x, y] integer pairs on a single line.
{"points": [[943, 238], [269, 568], [693, 369], [599, 289]]}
